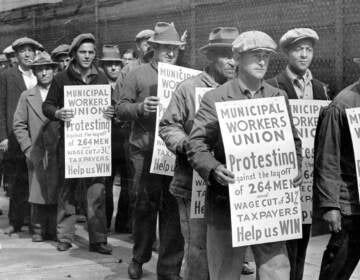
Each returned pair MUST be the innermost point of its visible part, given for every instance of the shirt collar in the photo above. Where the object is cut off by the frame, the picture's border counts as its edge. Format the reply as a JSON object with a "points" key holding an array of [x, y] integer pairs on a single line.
{"points": [[307, 76], [246, 91], [27, 73]]}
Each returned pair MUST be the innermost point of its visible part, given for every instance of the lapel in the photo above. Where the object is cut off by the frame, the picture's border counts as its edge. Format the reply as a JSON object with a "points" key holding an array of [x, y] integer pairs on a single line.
{"points": [[285, 84], [35, 102], [18, 80]]}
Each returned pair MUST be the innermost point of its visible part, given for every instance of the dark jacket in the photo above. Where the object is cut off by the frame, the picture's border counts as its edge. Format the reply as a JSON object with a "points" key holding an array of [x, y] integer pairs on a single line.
{"points": [[282, 81], [335, 183], [205, 149], [38, 139], [175, 127]]}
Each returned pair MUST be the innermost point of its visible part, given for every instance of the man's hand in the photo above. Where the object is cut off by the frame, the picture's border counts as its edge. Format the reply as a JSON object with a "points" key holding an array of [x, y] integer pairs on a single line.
{"points": [[4, 145], [150, 103], [298, 180], [333, 218], [64, 114], [109, 112], [223, 176]]}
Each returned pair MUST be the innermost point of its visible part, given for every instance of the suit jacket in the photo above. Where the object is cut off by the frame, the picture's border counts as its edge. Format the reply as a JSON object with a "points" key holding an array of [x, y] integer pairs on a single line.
{"points": [[282, 81], [38, 139]]}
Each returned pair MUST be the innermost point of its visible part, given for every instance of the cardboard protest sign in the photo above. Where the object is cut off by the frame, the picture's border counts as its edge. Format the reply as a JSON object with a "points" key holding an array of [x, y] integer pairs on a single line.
{"points": [[305, 117], [198, 190], [169, 76], [260, 151], [88, 135], [353, 117]]}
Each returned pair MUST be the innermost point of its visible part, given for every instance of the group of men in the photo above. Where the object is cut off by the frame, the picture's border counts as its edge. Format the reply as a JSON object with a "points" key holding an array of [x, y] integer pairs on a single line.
{"points": [[32, 119]]}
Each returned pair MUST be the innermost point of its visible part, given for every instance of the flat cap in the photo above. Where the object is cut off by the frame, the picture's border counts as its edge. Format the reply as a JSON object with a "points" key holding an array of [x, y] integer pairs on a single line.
{"points": [[252, 41], [43, 58], [27, 41], [296, 34], [144, 34], [78, 40], [8, 50], [59, 50]]}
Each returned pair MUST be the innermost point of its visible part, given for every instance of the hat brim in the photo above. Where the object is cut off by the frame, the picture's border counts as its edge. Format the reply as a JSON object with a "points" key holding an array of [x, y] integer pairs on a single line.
{"points": [[53, 64], [208, 47], [287, 45], [36, 47], [270, 50], [111, 59], [54, 55], [175, 43]]}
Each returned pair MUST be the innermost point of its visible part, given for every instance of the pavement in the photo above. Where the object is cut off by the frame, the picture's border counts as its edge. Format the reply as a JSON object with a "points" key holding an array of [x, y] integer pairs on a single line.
{"points": [[21, 259]]}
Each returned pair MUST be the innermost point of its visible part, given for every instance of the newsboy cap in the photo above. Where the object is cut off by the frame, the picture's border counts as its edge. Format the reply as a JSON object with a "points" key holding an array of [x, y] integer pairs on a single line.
{"points": [[144, 34], [26, 41], [43, 58], [220, 37], [79, 39], [296, 34], [252, 41], [165, 34], [8, 50], [60, 50]]}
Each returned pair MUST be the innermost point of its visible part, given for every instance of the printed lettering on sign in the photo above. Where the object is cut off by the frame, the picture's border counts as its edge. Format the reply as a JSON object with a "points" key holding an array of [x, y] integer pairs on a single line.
{"points": [[260, 151], [305, 117], [88, 135], [198, 190], [353, 117], [169, 76]]}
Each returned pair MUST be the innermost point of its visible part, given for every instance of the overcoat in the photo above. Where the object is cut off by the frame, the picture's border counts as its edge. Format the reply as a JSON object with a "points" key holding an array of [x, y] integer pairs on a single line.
{"points": [[38, 138]]}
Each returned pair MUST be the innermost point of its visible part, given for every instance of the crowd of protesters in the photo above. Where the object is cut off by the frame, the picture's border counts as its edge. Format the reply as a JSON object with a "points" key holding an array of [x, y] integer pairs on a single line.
{"points": [[32, 119]]}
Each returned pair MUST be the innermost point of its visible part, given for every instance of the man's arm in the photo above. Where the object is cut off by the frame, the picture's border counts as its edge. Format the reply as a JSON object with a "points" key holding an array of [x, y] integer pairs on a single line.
{"points": [[21, 126], [52, 101], [172, 125], [3, 98]]}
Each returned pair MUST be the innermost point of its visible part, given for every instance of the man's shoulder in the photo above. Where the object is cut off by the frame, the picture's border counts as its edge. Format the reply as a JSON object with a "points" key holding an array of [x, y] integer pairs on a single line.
{"points": [[271, 90], [10, 72], [348, 97]]}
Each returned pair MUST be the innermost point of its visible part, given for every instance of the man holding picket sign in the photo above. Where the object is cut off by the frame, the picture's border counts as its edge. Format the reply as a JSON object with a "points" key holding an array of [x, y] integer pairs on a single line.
{"points": [[175, 127], [297, 80], [206, 155]]}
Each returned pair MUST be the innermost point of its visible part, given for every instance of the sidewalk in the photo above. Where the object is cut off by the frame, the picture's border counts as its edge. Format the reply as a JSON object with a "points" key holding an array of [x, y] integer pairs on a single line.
{"points": [[21, 259]]}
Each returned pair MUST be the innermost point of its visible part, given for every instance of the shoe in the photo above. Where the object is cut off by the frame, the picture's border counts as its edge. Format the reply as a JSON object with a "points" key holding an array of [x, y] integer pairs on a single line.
{"points": [[247, 269], [37, 238], [63, 246], [101, 248], [11, 229], [135, 270]]}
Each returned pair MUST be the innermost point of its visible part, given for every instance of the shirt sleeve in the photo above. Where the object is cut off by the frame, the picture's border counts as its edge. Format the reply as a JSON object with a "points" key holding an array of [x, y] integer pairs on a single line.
{"points": [[327, 159], [203, 139], [171, 128], [127, 108]]}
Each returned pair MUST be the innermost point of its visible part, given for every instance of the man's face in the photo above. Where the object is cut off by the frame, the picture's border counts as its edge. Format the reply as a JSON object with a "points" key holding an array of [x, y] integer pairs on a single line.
{"points": [[112, 69], [63, 61], [85, 55], [223, 62], [13, 60], [127, 57], [300, 56], [253, 64], [25, 55], [166, 53], [44, 74], [143, 46]]}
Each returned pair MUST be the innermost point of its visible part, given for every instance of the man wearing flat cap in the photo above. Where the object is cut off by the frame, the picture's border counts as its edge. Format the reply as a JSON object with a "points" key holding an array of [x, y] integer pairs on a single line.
{"points": [[138, 103], [38, 137], [13, 82], [298, 82], [10, 56], [175, 127], [81, 71], [205, 153], [61, 55]]}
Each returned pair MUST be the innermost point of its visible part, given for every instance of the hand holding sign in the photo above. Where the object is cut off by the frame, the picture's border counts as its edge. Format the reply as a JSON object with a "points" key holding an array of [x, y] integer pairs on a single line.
{"points": [[150, 104], [64, 114], [109, 112], [223, 176], [298, 180]]}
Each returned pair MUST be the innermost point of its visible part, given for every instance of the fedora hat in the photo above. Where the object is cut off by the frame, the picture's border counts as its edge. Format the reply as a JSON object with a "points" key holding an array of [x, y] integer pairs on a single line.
{"points": [[220, 37], [165, 34], [43, 58], [110, 53]]}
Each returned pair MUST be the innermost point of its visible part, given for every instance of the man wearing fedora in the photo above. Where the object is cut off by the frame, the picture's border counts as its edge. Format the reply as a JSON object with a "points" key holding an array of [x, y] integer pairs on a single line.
{"points": [[81, 71], [138, 103], [175, 127], [13, 82], [298, 82], [38, 139], [252, 50], [61, 55]]}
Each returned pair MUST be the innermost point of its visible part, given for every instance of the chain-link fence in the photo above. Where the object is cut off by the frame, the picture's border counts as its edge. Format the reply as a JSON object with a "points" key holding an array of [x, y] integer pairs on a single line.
{"points": [[117, 21]]}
